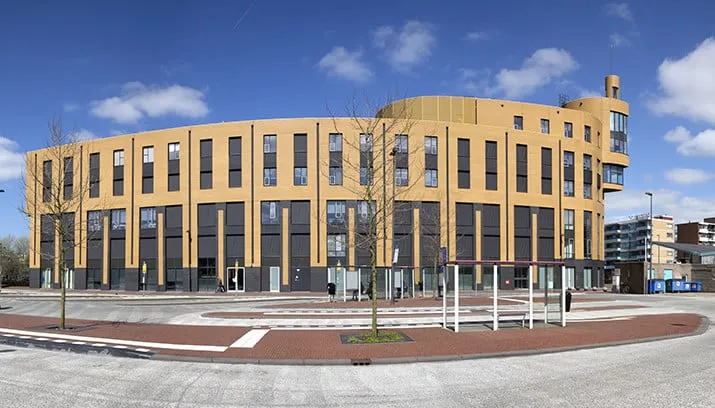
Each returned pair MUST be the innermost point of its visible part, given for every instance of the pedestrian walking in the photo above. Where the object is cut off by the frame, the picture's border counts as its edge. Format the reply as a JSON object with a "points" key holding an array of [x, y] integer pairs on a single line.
{"points": [[331, 292]]}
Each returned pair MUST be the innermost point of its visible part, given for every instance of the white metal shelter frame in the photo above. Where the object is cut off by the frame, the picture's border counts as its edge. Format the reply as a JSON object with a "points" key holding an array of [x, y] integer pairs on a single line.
{"points": [[495, 289]]}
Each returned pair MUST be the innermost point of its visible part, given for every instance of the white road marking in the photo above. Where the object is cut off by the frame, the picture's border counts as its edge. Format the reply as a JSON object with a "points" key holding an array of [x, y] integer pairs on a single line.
{"points": [[606, 319], [250, 339], [145, 344], [418, 326], [515, 300], [365, 313]]}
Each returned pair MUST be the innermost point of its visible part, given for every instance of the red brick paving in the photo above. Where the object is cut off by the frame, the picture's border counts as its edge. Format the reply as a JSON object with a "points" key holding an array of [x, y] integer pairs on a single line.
{"points": [[325, 344], [160, 333]]}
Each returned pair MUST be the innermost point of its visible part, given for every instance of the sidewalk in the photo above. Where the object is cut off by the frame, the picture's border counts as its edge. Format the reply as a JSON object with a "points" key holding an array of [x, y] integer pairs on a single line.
{"points": [[238, 344], [23, 292]]}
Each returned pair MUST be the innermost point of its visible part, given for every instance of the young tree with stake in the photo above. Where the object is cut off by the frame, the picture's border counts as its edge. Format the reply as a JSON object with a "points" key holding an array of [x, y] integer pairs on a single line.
{"points": [[372, 147], [58, 188]]}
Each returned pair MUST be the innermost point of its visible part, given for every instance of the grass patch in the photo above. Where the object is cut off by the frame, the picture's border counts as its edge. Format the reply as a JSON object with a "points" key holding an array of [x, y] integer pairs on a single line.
{"points": [[369, 338]]}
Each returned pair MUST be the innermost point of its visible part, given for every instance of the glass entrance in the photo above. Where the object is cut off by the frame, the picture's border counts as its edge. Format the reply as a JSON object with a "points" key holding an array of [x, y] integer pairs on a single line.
{"points": [[236, 279], [587, 276], [69, 278], [207, 274], [336, 276], [46, 278], [275, 279]]}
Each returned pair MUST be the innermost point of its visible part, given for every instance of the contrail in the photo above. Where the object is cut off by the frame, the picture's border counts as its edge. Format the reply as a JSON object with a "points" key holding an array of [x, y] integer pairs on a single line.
{"points": [[245, 13]]}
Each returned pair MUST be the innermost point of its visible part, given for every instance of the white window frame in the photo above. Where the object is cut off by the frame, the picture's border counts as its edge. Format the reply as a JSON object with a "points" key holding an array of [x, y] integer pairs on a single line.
{"points": [[335, 142], [366, 142], [151, 220], [401, 143], [118, 158], [568, 130], [269, 144], [547, 128], [148, 154], [431, 178], [431, 145], [174, 151]]}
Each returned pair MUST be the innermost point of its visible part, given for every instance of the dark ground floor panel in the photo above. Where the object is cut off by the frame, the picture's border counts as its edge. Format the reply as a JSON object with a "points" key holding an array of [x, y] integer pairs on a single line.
{"points": [[580, 274]]}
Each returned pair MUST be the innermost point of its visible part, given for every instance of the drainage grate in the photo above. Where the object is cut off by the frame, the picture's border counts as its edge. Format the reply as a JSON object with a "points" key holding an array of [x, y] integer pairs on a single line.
{"points": [[360, 361]]}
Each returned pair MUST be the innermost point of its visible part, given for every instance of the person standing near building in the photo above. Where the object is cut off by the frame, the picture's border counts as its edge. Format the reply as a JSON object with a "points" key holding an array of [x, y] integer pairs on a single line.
{"points": [[331, 292]]}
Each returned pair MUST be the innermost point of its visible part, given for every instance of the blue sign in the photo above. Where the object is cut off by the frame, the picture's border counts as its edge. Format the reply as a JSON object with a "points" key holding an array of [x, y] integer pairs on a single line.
{"points": [[444, 255]]}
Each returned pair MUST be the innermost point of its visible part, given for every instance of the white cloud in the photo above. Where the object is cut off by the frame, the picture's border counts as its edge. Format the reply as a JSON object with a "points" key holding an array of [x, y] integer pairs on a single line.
{"points": [[542, 67], [688, 176], [687, 85], [581, 92], [620, 10], [408, 47], [70, 107], [678, 135], [619, 40], [12, 162], [115, 132], [472, 81], [476, 36], [340, 62], [382, 35], [589, 93], [137, 100], [702, 144], [83, 135], [683, 208]]}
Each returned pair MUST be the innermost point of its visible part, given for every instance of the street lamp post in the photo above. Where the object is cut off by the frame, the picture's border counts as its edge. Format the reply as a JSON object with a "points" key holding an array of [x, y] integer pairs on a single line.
{"points": [[393, 153], [649, 250]]}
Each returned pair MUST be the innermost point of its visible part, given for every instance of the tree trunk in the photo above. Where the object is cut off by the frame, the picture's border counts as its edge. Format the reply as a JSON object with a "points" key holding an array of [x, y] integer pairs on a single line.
{"points": [[62, 295], [373, 279]]}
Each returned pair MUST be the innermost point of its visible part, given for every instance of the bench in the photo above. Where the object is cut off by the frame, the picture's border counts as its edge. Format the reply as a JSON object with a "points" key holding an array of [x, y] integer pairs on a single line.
{"points": [[523, 314]]}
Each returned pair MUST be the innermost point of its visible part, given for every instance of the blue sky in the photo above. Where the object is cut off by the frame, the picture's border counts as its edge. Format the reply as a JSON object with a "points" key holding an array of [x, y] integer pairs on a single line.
{"points": [[122, 67]]}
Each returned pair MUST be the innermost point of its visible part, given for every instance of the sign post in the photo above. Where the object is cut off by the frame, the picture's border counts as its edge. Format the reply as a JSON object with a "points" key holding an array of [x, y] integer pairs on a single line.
{"points": [[395, 255], [444, 287], [143, 275]]}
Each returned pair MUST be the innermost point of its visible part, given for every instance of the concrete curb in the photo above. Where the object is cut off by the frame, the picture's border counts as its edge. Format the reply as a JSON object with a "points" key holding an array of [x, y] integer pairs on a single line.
{"points": [[702, 328]]}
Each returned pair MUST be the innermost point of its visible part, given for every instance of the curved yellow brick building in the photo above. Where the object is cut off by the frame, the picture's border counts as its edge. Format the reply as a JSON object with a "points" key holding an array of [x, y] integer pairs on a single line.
{"points": [[277, 204]]}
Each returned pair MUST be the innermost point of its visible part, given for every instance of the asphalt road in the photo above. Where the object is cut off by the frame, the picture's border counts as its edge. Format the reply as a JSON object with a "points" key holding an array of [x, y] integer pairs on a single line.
{"points": [[669, 373]]}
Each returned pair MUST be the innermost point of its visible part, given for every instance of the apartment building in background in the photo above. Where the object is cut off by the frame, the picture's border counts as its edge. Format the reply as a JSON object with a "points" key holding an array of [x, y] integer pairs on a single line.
{"points": [[629, 239], [274, 201], [697, 232]]}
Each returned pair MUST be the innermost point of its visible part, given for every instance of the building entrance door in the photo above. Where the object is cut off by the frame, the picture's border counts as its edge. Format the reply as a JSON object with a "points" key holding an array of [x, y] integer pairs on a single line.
{"points": [[300, 281], [275, 279], [236, 279], [46, 278]]}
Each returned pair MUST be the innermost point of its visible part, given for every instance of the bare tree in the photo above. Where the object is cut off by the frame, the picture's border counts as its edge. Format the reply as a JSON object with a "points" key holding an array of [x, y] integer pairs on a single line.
{"points": [[57, 189], [377, 169]]}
